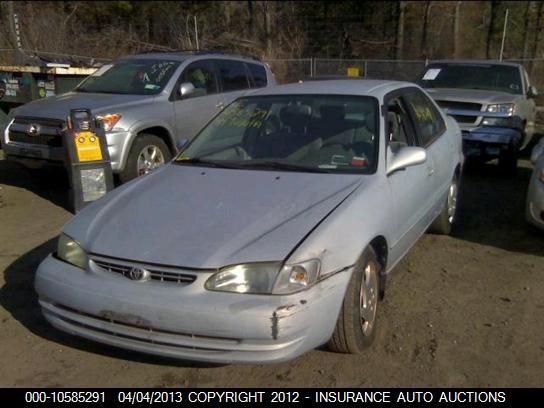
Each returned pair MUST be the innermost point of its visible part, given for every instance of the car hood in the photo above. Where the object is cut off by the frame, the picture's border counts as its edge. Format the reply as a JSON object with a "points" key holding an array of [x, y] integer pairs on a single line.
{"points": [[58, 107], [470, 95], [200, 217]]}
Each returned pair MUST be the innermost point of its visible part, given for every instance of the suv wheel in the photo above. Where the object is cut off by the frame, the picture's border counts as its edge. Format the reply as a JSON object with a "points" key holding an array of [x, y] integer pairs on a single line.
{"points": [[147, 153]]}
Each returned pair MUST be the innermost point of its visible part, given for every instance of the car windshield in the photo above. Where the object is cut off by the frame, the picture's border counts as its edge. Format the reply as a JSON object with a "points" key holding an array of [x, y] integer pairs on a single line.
{"points": [[482, 76], [307, 133], [136, 77]]}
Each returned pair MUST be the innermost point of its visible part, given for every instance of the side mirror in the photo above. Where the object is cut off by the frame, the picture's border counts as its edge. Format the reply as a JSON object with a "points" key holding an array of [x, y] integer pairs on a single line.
{"points": [[532, 92], [186, 89], [180, 144], [405, 157]]}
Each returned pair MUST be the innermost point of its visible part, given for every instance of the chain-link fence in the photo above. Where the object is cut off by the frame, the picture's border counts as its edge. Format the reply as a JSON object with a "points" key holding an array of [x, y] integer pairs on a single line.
{"points": [[292, 70], [374, 69]]}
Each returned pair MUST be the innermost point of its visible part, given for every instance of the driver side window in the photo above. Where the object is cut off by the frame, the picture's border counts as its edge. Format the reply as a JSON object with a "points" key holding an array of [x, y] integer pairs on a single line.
{"points": [[202, 76], [398, 130]]}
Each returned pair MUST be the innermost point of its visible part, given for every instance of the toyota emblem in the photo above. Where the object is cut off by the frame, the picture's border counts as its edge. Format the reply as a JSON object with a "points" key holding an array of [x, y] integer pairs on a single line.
{"points": [[33, 130], [138, 274]]}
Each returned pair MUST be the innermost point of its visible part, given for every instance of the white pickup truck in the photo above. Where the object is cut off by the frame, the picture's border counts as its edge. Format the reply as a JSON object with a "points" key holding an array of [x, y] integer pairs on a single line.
{"points": [[492, 101]]}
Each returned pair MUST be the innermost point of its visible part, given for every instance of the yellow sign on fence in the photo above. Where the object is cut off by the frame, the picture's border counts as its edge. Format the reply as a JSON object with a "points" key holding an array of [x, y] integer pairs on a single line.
{"points": [[353, 72]]}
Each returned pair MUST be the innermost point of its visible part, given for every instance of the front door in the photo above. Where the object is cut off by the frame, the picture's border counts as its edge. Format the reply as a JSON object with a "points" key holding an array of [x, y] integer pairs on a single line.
{"points": [[196, 110]]}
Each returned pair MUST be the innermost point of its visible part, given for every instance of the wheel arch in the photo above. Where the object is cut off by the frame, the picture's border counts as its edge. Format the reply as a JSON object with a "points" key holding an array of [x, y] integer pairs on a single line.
{"points": [[379, 245], [162, 133]]}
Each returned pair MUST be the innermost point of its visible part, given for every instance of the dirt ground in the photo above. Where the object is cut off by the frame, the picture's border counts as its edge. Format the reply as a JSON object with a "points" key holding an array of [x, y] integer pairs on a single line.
{"points": [[463, 311]]}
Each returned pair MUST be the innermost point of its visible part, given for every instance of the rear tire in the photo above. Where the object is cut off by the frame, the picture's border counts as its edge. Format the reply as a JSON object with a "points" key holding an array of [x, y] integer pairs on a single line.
{"points": [[356, 326], [146, 153], [443, 223]]}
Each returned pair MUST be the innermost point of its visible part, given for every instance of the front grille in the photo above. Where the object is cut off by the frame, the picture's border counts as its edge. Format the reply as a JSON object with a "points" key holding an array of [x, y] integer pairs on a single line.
{"points": [[161, 274], [455, 105], [49, 131]]}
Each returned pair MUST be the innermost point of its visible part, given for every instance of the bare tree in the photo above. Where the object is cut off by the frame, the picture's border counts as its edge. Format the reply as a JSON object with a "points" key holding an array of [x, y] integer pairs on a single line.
{"points": [[267, 17], [426, 16], [538, 29], [526, 19], [490, 28], [251, 19], [399, 43], [457, 30]]}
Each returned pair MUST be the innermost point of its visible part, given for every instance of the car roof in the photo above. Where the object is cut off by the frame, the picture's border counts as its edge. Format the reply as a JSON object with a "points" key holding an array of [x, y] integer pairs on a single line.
{"points": [[474, 62], [363, 87], [184, 55]]}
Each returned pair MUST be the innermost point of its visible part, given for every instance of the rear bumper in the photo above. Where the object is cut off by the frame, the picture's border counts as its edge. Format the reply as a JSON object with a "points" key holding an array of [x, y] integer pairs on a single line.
{"points": [[187, 322]]}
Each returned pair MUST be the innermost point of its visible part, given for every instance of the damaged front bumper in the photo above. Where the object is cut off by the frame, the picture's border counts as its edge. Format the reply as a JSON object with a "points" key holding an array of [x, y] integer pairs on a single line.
{"points": [[489, 142], [186, 321], [487, 135]]}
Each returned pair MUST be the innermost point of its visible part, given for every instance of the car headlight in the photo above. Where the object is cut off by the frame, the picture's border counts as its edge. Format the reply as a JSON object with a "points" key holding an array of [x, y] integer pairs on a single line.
{"points": [[70, 251], [265, 278], [507, 108], [109, 120]]}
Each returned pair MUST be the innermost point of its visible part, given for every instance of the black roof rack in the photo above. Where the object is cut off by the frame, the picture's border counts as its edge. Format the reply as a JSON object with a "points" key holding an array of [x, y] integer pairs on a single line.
{"points": [[197, 52]]}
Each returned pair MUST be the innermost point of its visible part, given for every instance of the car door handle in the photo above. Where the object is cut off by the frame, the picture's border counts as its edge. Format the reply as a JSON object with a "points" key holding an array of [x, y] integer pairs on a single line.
{"points": [[430, 171]]}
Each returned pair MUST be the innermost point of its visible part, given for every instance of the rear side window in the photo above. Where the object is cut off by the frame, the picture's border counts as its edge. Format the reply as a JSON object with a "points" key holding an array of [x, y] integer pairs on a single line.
{"points": [[233, 75], [428, 120], [259, 75]]}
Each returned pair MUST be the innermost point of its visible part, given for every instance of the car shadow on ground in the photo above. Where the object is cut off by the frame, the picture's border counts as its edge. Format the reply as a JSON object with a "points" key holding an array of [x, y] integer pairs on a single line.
{"points": [[50, 183], [491, 208], [19, 298]]}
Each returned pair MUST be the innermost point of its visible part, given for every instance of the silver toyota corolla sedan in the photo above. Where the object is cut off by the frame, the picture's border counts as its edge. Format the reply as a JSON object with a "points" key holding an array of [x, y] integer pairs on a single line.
{"points": [[534, 211], [271, 233]]}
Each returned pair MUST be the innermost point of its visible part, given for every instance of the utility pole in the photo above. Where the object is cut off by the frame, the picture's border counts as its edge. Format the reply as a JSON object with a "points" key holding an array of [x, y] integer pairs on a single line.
{"points": [[196, 35], [503, 34]]}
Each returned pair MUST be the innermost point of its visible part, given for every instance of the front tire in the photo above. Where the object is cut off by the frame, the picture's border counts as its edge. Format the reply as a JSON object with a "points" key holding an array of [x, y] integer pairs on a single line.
{"points": [[146, 153], [356, 326]]}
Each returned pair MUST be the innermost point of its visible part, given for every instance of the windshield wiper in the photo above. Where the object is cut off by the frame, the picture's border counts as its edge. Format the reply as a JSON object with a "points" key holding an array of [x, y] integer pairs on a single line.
{"points": [[207, 163], [274, 165]]}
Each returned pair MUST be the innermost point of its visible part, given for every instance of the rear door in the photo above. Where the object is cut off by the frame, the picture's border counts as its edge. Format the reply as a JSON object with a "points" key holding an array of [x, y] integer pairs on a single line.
{"points": [[431, 135], [193, 111], [234, 79]]}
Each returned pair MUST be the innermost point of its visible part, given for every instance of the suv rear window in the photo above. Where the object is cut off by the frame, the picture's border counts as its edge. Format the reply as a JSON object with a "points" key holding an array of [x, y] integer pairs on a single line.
{"points": [[233, 75], [259, 75]]}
